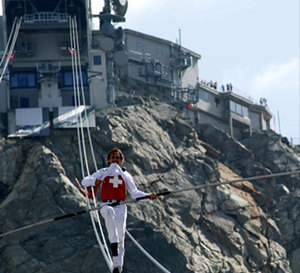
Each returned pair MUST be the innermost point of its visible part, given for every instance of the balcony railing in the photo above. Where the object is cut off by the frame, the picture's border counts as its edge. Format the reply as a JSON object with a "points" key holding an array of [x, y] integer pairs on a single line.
{"points": [[45, 17]]}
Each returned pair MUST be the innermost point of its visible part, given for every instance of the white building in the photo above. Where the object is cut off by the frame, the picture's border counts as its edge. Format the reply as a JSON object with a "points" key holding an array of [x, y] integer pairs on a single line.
{"points": [[159, 62]]}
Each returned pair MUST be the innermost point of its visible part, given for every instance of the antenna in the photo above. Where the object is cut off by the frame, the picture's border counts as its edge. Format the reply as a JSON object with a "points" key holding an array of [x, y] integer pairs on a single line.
{"points": [[279, 122], [179, 32], [112, 41]]}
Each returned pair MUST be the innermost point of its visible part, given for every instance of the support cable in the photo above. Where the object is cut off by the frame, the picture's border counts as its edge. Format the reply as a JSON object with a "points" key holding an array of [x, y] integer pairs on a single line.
{"points": [[146, 253], [73, 32], [8, 41], [84, 103], [76, 46], [14, 39], [94, 160]]}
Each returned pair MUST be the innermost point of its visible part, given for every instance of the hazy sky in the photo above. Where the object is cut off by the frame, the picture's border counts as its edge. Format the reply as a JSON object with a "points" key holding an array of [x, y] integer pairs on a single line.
{"points": [[253, 44]]}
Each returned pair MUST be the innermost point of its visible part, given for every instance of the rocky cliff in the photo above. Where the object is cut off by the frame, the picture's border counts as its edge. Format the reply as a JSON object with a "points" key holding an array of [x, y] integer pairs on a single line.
{"points": [[244, 227]]}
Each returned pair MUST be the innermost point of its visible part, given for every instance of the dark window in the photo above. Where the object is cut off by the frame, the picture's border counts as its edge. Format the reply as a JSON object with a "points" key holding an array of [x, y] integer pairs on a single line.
{"points": [[67, 79], [97, 60], [159, 52], [24, 102], [139, 45], [14, 102], [23, 80]]}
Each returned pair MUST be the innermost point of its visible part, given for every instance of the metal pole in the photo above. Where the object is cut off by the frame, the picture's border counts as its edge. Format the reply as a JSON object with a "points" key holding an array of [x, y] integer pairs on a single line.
{"points": [[279, 122], [76, 213]]}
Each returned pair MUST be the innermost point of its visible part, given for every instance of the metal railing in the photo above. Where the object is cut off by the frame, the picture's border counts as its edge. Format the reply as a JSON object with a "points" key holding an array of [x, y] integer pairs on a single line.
{"points": [[45, 17]]}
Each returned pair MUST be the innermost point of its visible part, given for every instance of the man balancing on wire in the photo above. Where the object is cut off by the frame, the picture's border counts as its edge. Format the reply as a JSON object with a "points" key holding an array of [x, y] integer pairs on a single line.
{"points": [[114, 183]]}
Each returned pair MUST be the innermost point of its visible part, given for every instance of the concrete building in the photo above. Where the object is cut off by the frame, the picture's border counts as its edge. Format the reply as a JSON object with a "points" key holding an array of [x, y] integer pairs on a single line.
{"points": [[260, 117], [231, 112], [159, 62], [40, 69]]}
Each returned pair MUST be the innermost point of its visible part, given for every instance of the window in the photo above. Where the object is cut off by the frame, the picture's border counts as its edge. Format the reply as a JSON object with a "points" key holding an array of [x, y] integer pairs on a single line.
{"points": [[142, 71], [139, 46], [14, 102], [159, 52], [238, 109], [67, 78], [23, 80], [165, 72], [204, 96], [232, 106], [24, 102], [157, 68], [245, 111], [97, 60], [265, 125], [192, 61]]}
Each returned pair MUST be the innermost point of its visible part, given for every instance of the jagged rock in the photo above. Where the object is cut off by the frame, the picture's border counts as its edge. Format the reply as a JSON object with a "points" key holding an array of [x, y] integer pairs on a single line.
{"points": [[295, 260], [233, 153], [230, 228], [270, 149]]}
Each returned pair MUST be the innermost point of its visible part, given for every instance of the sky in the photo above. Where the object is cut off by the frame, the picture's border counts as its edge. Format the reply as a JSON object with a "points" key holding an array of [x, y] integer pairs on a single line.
{"points": [[253, 44]]}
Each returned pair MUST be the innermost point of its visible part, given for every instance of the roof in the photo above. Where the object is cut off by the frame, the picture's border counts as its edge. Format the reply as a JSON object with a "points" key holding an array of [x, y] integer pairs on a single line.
{"points": [[160, 40], [261, 109], [236, 97]]}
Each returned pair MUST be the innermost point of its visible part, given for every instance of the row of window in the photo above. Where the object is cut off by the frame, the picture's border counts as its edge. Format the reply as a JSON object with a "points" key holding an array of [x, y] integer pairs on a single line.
{"points": [[29, 79], [24, 101], [182, 59], [239, 109], [141, 47], [234, 106]]}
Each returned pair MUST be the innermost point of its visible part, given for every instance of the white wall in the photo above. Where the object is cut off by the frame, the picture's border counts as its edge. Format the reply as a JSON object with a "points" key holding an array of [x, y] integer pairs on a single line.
{"points": [[98, 83]]}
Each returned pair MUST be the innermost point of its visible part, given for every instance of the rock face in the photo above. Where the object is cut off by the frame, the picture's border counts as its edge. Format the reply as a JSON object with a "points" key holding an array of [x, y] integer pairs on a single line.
{"points": [[243, 227]]}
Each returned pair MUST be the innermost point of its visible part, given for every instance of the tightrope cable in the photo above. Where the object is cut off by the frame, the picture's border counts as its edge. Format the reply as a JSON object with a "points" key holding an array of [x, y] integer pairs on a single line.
{"points": [[203, 186]]}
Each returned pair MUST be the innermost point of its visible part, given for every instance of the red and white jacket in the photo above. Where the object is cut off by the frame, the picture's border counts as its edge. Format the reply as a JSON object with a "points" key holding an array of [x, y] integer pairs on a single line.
{"points": [[115, 183]]}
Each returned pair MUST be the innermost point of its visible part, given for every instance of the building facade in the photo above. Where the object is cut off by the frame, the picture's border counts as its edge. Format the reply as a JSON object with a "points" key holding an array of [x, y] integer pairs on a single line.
{"points": [[40, 41], [231, 112], [159, 62]]}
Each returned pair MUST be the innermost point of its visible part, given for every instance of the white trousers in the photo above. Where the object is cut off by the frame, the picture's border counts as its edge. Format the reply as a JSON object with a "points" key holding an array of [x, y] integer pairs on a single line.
{"points": [[115, 221]]}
